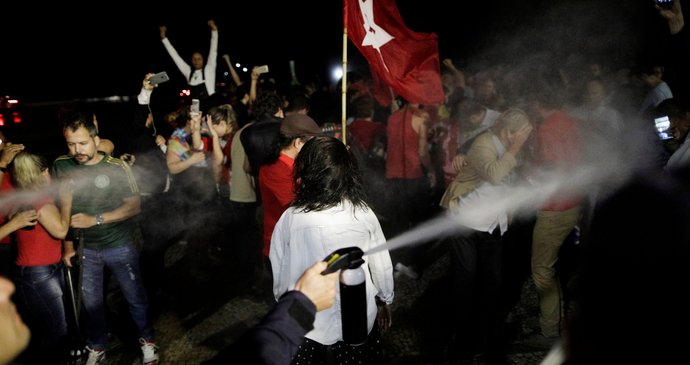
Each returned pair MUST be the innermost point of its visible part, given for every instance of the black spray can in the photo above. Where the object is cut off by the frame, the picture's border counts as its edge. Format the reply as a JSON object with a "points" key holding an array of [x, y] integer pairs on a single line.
{"points": [[353, 305]]}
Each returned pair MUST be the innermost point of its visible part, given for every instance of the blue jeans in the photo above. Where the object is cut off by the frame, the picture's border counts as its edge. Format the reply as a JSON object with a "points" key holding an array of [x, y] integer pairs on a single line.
{"points": [[123, 263], [39, 293]]}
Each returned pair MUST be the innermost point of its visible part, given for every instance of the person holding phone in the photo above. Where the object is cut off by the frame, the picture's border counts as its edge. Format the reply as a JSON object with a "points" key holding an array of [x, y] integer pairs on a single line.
{"points": [[679, 129], [193, 188]]}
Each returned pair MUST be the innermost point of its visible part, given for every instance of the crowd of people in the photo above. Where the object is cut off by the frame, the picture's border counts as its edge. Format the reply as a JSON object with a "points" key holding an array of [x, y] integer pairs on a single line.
{"points": [[266, 170]]}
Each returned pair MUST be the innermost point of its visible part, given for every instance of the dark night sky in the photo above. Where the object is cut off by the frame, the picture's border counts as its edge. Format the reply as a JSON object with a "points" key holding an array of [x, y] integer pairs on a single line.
{"points": [[105, 49]]}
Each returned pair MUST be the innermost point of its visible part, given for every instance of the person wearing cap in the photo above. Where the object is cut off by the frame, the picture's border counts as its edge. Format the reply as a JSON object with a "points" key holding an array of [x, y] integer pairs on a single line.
{"points": [[275, 177]]}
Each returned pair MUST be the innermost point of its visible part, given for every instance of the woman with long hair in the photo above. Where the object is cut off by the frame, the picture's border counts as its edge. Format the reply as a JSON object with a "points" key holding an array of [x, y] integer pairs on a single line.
{"points": [[38, 273], [330, 212]]}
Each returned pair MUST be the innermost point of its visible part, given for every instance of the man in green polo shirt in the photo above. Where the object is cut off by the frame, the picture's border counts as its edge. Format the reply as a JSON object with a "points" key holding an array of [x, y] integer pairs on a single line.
{"points": [[106, 198]]}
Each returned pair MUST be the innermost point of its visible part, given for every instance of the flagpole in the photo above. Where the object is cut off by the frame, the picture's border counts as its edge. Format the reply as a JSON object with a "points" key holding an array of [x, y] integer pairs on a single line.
{"points": [[343, 88]]}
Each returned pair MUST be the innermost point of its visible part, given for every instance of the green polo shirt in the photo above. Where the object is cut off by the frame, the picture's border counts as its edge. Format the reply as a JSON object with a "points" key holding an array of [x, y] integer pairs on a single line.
{"points": [[98, 189]]}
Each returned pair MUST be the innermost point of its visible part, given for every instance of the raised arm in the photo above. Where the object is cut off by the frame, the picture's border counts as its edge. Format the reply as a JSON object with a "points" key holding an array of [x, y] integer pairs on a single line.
{"points": [[217, 162], [253, 85], [183, 66], [211, 61], [233, 73], [673, 16]]}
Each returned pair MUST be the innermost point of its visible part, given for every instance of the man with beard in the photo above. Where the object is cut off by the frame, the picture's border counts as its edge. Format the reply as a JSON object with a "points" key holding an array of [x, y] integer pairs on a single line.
{"points": [[105, 200]]}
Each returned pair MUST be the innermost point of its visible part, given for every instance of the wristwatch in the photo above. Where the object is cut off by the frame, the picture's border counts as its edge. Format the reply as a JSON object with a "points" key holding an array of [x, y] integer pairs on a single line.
{"points": [[99, 219]]}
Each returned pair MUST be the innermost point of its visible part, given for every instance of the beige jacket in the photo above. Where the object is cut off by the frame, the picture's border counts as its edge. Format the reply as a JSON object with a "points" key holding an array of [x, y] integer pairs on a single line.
{"points": [[483, 164]]}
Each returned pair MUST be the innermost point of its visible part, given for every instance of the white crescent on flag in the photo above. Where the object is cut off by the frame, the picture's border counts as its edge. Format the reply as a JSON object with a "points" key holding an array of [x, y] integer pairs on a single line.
{"points": [[375, 35]]}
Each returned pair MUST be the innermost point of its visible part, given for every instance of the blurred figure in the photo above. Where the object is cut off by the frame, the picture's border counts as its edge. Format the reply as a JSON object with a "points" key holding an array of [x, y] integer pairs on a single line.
{"points": [[476, 255], [558, 151], [628, 306], [146, 151], [677, 54], [193, 189], [8, 151], [38, 273], [200, 78], [411, 177], [14, 334], [595, 113], [658, 89], [486, 94], [222, 124], [328, 213], [679, 115], [367, 140]]}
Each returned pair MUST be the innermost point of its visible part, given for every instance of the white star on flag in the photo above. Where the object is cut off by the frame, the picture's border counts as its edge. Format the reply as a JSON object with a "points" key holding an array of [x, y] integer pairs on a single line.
{"points": [[375, 35]]}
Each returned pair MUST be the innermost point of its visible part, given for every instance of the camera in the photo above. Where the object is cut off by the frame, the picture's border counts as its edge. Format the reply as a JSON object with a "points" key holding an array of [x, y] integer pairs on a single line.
{"points": [[664, 4], [159, 78]]}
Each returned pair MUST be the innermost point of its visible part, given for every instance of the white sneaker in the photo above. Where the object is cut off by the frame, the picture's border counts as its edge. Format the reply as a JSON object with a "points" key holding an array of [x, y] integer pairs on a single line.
{"points": [[149, 352], [95, 357]]}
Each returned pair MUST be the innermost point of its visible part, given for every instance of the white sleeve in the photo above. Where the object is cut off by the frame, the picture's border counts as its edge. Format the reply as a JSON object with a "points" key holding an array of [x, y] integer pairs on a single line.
{"points": [[380, 265], [181, 64], [211, 64], [276, 254], [144, 96]]}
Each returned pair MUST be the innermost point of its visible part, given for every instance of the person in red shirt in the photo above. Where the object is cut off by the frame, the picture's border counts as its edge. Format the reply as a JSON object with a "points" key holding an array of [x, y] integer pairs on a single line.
{"points": [[275, 178], [38, 273], [410, 176], [557, 150]]}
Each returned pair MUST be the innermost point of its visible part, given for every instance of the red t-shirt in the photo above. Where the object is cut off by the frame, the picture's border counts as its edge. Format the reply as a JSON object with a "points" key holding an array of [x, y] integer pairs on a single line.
{"points": [[402, 157], [36, 247], [364, 131], [277, 192], [558, 145]]}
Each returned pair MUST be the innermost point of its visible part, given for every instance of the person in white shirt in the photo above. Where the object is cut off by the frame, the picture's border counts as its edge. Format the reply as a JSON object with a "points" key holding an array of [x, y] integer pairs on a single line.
{"points": [[329, 213], [201, 78]]}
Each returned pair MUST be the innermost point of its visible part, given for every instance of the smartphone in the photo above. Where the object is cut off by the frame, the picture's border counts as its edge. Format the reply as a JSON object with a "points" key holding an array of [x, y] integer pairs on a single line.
{"points": [[262, 69], [662, 124], [665, 4], [195, 106], [159, 78]]}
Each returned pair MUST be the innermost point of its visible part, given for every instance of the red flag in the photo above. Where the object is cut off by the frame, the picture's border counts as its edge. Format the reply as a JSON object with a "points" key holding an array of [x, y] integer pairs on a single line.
{"points": [[406, 61]]}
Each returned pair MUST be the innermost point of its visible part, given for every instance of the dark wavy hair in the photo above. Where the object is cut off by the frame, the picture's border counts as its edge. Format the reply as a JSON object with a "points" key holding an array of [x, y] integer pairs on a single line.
{"points": [[325, 174]]}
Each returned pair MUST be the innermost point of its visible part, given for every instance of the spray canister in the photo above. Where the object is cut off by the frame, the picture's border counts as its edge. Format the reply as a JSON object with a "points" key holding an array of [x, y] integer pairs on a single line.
{"points": [[353, 293]]}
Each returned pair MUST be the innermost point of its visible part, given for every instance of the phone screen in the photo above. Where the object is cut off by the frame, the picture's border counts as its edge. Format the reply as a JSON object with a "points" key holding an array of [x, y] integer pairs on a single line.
{"points": [[662, 124], [195, 105]]}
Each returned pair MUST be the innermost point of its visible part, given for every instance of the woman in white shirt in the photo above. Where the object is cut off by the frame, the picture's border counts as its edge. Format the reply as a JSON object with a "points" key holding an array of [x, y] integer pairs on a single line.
{"points": [[329, 212]]}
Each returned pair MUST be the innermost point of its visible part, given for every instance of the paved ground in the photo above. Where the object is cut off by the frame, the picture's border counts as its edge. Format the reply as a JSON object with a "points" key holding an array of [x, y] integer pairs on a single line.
{"points": [[196, 319]]}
